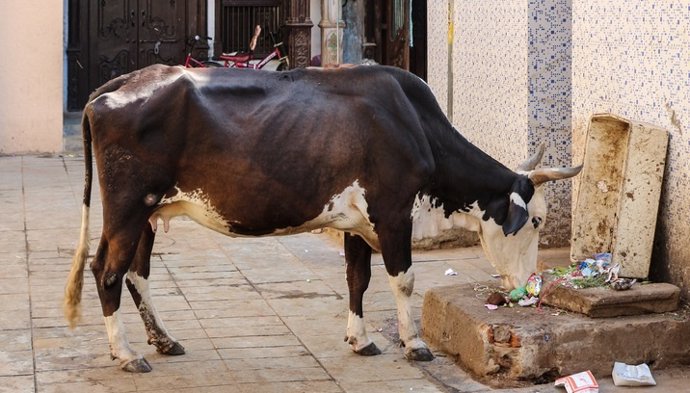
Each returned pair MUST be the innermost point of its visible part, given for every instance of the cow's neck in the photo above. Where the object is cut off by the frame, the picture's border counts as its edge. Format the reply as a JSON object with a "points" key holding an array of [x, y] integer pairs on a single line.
{"points": [[465, 176]]}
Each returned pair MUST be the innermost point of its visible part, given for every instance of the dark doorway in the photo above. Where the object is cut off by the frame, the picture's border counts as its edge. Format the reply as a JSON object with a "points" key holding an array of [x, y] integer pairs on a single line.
{"points": [[418, 55], [387, 34], [109, 38]]}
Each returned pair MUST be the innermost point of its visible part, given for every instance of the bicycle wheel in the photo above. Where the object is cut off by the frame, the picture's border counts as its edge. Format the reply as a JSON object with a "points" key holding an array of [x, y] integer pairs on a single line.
{"points": [[283, 66]]}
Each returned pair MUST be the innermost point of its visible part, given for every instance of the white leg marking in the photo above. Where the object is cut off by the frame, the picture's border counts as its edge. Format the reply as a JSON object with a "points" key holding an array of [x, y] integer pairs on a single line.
{"points": [[402, 286], [356, 332], [117, 337], [155, 329]]}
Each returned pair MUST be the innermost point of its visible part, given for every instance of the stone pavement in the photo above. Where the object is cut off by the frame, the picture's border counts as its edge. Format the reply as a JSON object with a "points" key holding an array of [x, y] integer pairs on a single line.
{"points": [[254, 314]]}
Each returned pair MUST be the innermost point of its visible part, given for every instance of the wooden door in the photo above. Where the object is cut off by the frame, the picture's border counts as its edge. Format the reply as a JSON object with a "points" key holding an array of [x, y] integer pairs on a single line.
{"points": [[126, 35], [108, 38]]}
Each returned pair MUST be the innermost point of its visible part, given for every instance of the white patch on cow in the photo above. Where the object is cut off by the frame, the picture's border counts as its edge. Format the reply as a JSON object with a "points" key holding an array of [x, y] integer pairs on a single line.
{"points": [[402, 286], [514, 257], [346, 211], [128, 94], [429, 221], [155, 328], [117, 338], [357, 332], [517, 199], [195, 205]]}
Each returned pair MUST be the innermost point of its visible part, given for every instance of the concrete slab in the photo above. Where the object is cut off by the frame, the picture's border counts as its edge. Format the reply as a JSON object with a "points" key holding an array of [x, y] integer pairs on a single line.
{"points": [[607, 303], [512, 345]]}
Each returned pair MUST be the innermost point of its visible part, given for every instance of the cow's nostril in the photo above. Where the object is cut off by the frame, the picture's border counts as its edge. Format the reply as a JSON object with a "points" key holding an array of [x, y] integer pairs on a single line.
{"points": [[536, 221]]}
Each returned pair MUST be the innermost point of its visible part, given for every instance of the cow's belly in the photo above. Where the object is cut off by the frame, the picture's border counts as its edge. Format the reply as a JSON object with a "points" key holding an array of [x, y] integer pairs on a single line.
{"points": [[345, 211]]}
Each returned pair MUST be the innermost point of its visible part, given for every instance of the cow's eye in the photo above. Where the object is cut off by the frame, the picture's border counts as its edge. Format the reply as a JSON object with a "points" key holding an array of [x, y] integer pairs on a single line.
{"points": [[536, 221]]}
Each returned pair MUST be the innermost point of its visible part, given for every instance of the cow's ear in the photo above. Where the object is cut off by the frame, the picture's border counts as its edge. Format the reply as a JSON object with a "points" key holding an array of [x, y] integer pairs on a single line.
{"points": [[517, 216]]}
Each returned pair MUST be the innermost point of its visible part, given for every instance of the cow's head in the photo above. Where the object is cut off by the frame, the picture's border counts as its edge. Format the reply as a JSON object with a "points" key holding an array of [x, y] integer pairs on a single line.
{"points": [[511, 243]]}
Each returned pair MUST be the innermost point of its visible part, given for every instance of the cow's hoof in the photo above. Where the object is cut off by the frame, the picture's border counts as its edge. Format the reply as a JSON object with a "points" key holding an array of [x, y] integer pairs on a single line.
{"points": [[369, 350], [174, 350], [419, 354], [137, 366]]}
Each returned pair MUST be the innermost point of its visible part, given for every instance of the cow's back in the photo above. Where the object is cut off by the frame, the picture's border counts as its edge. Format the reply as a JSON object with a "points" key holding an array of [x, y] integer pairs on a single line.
{"points": [[291, 140]]}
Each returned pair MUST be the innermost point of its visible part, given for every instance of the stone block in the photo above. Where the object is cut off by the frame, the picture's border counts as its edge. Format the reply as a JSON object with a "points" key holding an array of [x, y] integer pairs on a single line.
{"points": [[606, 303], [618, 196], [510, 346]]}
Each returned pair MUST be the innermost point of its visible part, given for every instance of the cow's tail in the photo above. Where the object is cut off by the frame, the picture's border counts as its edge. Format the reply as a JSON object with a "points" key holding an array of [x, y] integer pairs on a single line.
{"points": [[75, 280]]}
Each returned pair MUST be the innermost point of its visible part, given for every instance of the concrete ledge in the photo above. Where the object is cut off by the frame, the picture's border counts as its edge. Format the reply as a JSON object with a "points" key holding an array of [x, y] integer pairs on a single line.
{"points": [[509, 345], [605, 303]]}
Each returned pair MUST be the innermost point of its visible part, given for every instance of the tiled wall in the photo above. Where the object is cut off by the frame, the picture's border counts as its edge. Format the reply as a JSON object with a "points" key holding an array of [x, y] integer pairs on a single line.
{"points": [[632, 58], [510, 62]]}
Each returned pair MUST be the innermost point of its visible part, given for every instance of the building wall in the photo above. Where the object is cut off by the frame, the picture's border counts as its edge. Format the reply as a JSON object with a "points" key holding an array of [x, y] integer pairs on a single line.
{"points": [[32, 78], [632, 58], [506, 70]]}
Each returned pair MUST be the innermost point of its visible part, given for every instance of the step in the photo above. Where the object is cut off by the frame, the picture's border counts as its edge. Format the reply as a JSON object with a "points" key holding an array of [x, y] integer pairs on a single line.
{"points": [[509, 345]]}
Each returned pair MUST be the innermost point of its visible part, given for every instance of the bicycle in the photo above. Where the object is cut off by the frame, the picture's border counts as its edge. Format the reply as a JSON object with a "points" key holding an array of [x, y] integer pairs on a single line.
{"points": [[276, 60], [191, 62]]}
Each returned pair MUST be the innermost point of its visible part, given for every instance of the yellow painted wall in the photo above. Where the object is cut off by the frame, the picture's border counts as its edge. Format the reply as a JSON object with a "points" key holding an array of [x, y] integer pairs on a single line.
{"points": [[31, 80]]}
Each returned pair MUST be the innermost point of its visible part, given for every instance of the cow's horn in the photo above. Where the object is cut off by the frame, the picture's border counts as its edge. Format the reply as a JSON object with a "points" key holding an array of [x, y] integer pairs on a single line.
{"points": [[533, 161], [542, 175]]}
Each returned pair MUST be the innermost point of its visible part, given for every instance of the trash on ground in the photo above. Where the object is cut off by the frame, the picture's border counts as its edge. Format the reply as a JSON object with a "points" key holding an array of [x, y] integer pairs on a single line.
{"points": [[592, 272], [533, 286], [491, 306], [622, 284], [628, 375], [451, 272], [583, 382], [528, 301], [517, 294], [496, 298]]}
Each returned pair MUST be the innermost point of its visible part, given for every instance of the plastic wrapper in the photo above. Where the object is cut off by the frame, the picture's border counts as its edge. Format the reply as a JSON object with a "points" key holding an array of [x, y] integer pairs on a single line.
{"points": [[533, 286], [583, 382], [627, 375], [517, 294]]}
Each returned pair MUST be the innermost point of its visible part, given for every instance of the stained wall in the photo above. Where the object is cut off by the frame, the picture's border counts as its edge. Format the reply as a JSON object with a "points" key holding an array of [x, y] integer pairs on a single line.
{"points": [[632, 58], [501, 71]]}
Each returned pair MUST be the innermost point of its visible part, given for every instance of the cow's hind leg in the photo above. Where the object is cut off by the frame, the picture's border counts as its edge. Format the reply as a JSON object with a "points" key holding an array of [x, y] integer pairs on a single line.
{"points": [[358, 257], [138, 285], [109, 268], [395, 247]]}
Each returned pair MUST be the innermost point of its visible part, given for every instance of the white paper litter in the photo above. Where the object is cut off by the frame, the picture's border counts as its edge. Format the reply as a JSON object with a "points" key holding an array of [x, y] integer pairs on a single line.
{"points": [[627, 375], [583, 382], [451, 272]]}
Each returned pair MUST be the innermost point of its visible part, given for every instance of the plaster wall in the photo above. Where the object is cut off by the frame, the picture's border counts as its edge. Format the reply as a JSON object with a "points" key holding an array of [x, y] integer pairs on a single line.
{"points": [[632, 58], [500, 69], [32, 78]]}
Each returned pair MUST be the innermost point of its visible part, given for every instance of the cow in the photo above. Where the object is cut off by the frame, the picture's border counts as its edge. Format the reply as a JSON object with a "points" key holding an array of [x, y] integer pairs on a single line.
{"points": [[363, 150]]}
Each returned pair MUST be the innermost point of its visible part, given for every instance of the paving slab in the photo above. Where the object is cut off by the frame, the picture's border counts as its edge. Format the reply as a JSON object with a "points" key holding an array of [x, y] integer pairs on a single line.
{"points": [[243, 330], [511, 345]]}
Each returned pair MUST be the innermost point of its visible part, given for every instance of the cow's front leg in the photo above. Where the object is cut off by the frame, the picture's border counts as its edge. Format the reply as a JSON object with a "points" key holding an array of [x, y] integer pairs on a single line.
{"points": [[358, 257], [109, 269], [395, 247], [138, 285], [402, 285]]}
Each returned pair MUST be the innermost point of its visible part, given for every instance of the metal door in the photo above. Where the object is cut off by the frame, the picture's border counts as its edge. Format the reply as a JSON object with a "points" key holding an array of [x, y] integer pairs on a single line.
{"points": [[125, 35]]}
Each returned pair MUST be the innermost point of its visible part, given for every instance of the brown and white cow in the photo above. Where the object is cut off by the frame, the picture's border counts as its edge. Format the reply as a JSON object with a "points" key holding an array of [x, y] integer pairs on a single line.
{"points": [[362, 149]]}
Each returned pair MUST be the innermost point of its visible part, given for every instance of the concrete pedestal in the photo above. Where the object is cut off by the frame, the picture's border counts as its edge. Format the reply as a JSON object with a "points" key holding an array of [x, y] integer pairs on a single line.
{"points": [[508, 345]]}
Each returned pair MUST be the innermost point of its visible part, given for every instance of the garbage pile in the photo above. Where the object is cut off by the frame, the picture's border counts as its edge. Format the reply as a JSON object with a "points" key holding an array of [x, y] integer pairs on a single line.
{"points": [[597, 271], [592, 272]]}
